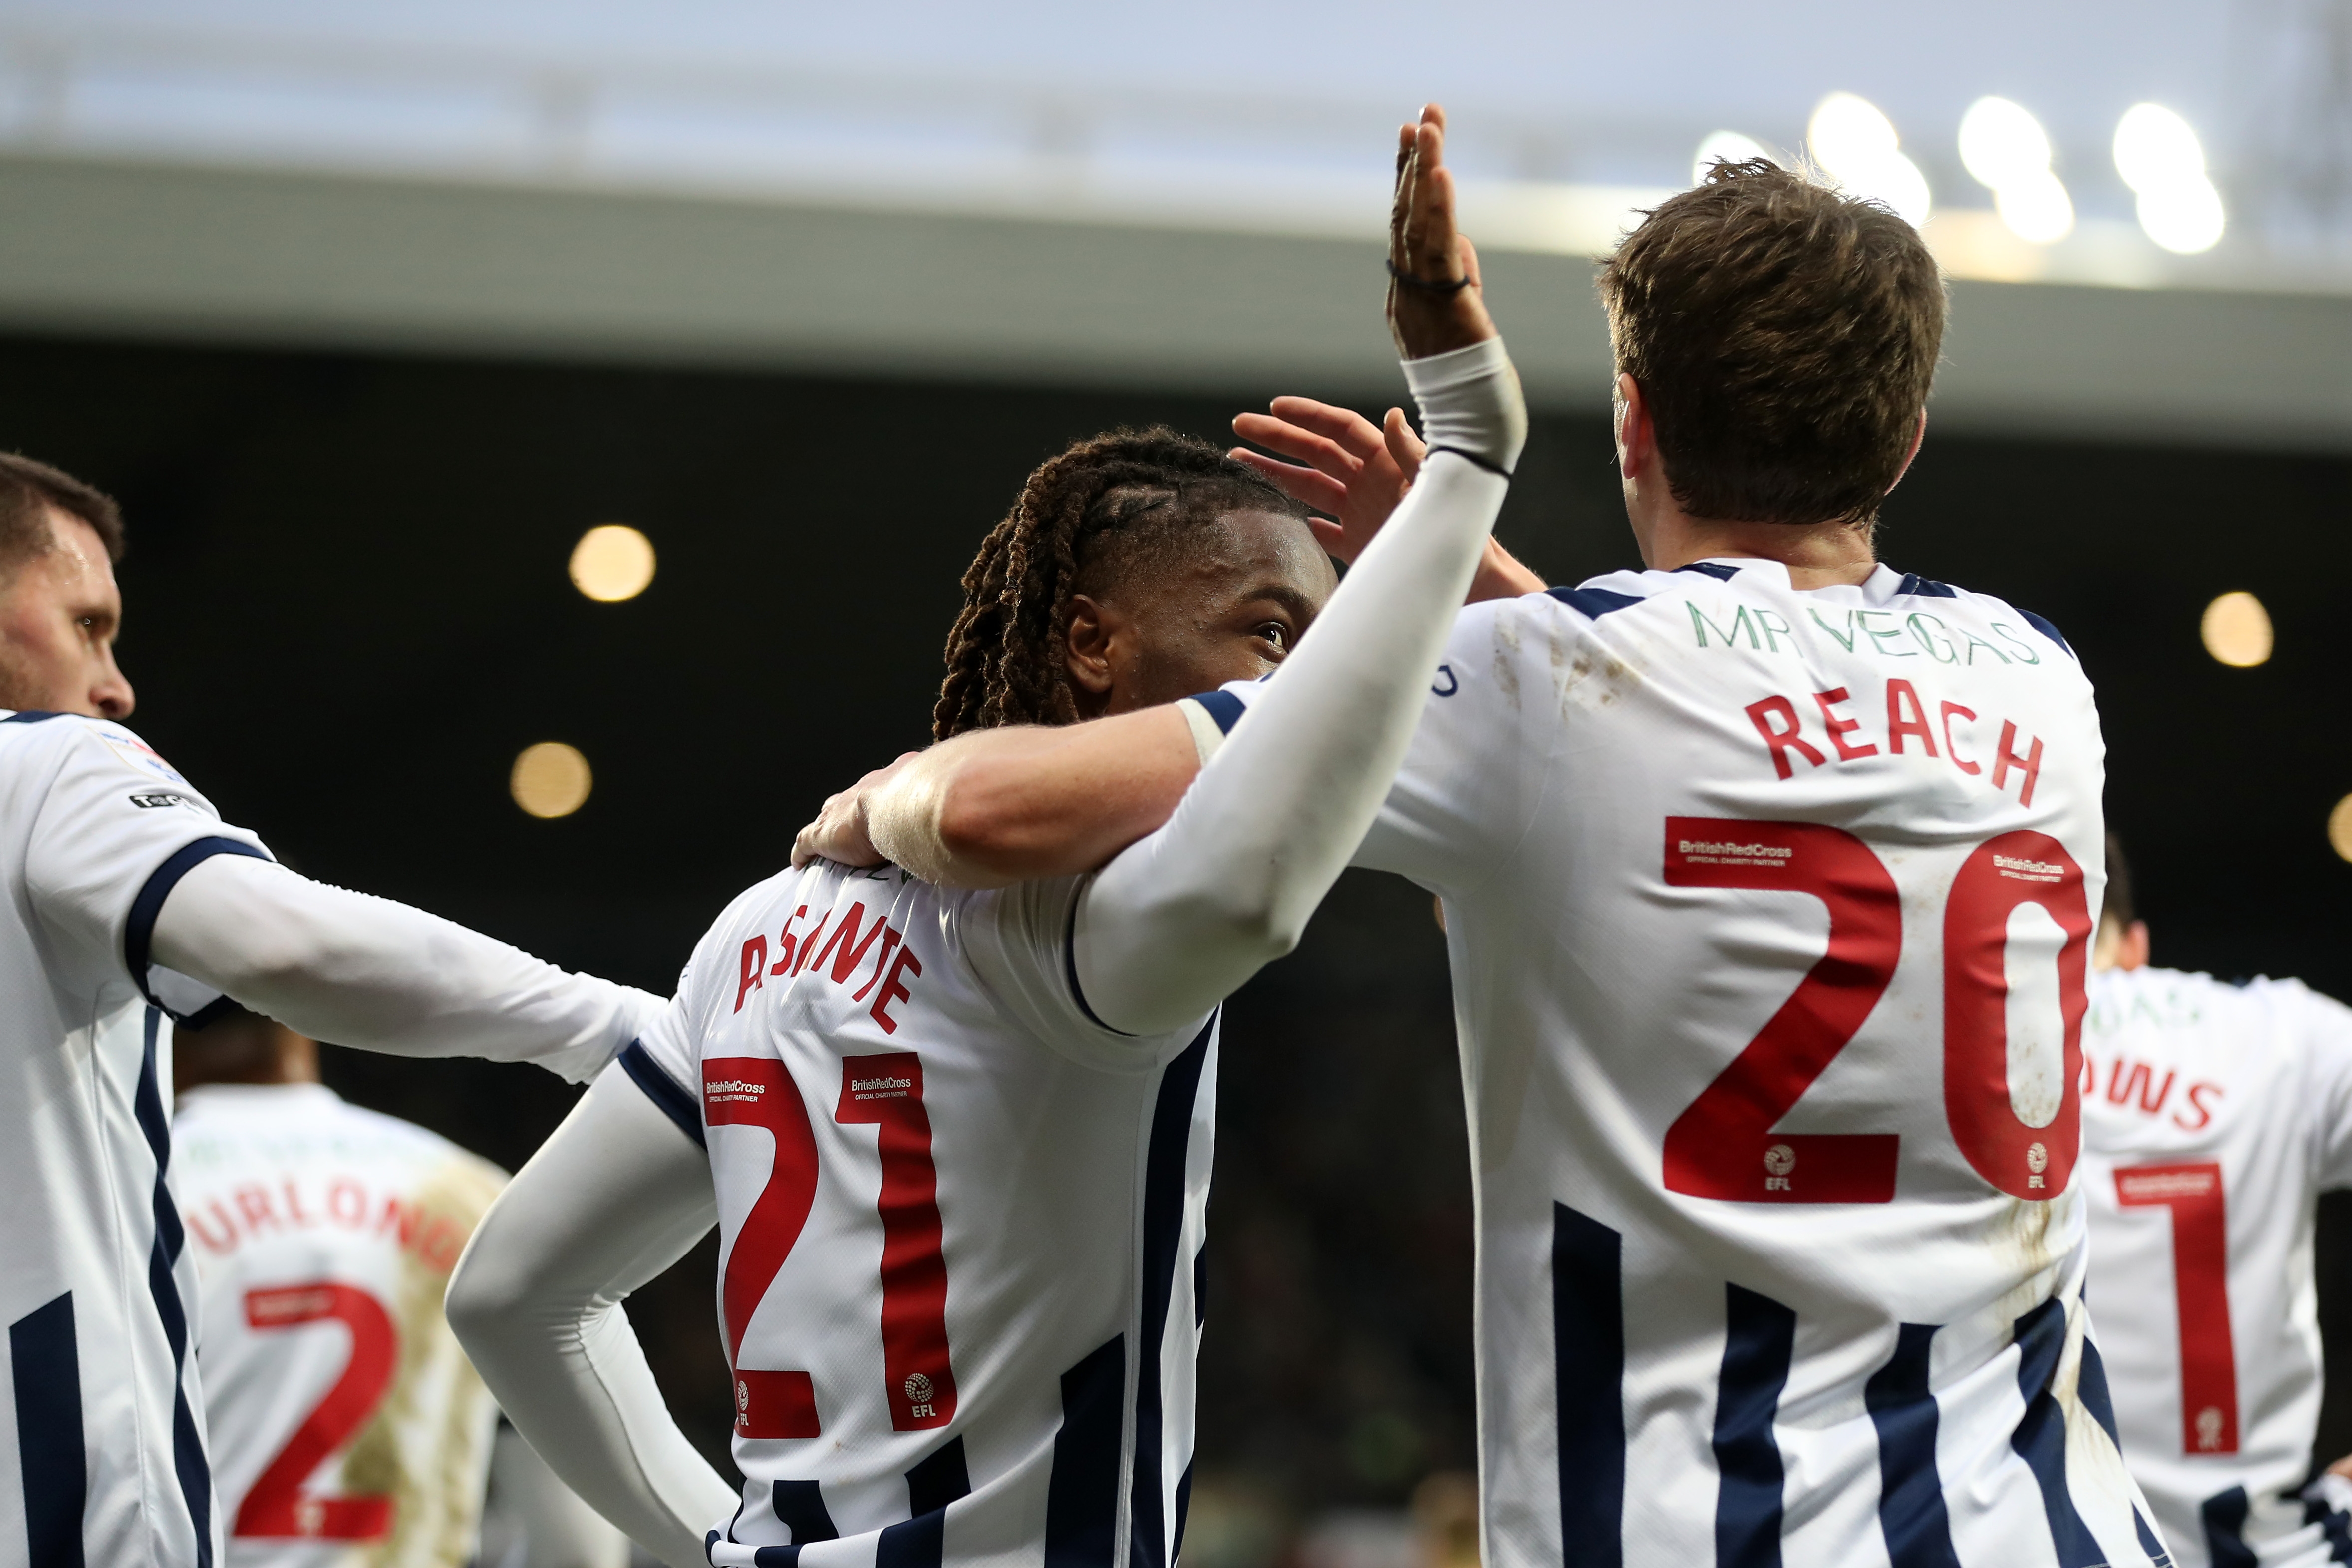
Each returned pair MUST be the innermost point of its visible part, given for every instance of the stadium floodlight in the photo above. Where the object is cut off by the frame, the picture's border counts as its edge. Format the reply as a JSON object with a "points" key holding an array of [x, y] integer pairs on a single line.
{"points": [[2036, 208], [2186, 219], [1723, 146], [2002, 144], [2158, 155], [2004, 147], [1856, 143], [2155, 148], [1847, 131]]}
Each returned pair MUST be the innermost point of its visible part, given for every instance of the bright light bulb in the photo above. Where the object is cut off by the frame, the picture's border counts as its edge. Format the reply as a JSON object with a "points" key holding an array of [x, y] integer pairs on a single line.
{"points": [[2155, 148], [613, 562], [1847, 131], [2036, 208], [2184, 218], [551, 779], [1857, 145], [2236, 630], [2002, 144], [1730, 146]]}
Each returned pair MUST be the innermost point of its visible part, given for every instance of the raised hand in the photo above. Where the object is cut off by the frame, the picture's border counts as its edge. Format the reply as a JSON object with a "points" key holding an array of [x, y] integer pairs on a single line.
{"points": [[1437, 302], [1348, 467]]}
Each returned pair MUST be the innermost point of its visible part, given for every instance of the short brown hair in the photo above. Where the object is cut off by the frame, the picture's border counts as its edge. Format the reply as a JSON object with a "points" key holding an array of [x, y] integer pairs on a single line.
{"points": [[29, 490], [1783, 336]]}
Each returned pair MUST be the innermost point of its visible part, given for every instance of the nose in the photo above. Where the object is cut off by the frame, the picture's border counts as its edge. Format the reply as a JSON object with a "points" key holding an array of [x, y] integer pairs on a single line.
{"points": [[111, 694]]}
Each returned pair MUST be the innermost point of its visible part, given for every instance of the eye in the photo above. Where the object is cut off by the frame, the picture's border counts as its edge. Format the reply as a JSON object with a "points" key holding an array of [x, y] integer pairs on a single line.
{"points": [[1275, 633]]}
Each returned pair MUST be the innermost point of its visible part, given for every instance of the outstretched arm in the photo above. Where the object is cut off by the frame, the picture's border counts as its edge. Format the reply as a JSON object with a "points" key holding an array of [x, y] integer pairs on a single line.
{"points": [[608, 1203], [1002, 805], [1179, 920], [367, 972]]}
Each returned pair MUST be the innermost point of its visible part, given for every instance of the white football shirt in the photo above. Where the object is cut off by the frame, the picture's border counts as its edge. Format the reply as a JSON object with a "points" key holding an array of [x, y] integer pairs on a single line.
{"points": [[2213, 1116], [1769, 914], [347, 1429], [960, 1224], [101, 1442]]}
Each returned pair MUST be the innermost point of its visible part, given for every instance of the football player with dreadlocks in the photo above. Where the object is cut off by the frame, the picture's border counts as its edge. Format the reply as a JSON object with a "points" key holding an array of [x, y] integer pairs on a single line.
{"points": [[957, 1141]]}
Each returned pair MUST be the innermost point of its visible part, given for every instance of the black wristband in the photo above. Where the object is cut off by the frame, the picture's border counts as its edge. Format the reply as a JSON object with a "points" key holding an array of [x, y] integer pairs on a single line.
{"points": [[1467, 456], [1428, 286]]}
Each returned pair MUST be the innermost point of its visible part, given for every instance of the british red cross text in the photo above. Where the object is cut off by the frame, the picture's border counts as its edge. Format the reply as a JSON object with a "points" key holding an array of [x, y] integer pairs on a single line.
{"points": [[1781, 726]]}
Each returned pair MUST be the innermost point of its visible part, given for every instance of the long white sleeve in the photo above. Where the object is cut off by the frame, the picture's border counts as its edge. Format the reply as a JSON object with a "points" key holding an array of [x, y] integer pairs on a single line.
{"points": [[615, 1196], [1180, 919], [367, 972]]}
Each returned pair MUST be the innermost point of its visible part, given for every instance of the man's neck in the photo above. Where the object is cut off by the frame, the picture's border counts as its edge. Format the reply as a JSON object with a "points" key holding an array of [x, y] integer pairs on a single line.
{"points": [[1818, 555]]}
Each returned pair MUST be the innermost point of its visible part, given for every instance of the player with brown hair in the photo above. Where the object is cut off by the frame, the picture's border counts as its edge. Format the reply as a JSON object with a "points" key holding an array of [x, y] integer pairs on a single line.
{"points": [[132, 905], [1769, 874]]}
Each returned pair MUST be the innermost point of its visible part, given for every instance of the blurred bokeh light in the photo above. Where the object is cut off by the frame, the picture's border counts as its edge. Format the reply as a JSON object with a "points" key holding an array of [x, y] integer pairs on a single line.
{"points": [[613, 562], [2237, 630], [551, 779]]}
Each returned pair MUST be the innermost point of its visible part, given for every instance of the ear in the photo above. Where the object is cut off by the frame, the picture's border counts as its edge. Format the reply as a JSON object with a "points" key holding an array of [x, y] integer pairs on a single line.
{"points": [[1634, 436], [1088, 651], [1918, 433]]}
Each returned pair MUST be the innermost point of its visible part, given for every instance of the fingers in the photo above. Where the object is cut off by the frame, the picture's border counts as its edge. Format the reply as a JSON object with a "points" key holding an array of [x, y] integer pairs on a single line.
{"points": [[1421, 232], [1331, 537], [1318, 490], [1316, 451], [1351, 429], [1405, 449]]}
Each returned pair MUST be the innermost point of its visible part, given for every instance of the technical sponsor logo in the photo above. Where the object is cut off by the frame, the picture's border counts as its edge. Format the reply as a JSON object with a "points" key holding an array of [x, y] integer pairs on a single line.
{"points": [[2026, 871], [160, 798], [732, 1090], [880, 1087]]}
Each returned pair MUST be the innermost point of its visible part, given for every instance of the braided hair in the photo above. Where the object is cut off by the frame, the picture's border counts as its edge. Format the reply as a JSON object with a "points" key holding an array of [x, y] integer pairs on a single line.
{"points": [[1113, 495]]}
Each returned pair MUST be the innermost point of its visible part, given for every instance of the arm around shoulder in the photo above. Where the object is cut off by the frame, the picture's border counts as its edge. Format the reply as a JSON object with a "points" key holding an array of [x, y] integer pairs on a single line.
{"points": [[997, 807]]}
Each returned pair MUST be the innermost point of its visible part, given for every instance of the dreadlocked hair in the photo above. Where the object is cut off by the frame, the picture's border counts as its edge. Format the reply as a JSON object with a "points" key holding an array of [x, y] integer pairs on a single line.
{"points": [[1123, 491]]}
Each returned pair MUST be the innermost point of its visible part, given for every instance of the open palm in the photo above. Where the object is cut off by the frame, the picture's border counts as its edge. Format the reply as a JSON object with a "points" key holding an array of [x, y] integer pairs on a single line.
{"points": [[1347, 467]]}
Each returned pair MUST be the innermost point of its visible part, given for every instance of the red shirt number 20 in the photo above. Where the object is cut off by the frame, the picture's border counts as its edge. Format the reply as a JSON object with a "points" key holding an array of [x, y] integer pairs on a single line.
{"points": [[1723, 1145]]}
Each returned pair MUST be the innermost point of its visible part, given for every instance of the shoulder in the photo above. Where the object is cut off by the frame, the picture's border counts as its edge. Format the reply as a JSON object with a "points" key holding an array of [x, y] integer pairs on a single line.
{"points": [[71, 747], [2313, 1015], [751, 910], [2010, 622], [434, 1157]]}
